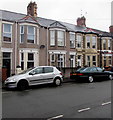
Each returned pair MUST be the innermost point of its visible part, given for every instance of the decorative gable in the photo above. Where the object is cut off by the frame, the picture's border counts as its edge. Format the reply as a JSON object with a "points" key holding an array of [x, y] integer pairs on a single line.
{"points": [[57, 24]]}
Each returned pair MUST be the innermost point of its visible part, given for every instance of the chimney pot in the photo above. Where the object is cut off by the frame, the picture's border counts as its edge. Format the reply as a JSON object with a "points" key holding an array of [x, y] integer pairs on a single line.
{"points": [[32, 9]]}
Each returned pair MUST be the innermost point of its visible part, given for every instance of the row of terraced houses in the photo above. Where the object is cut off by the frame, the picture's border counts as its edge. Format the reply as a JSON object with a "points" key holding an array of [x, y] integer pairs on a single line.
{"points": [[29, 40]]}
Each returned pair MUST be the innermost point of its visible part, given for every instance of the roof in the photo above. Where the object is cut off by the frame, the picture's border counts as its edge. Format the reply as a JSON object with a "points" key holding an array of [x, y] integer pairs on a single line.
{"points": [[13, 16]]}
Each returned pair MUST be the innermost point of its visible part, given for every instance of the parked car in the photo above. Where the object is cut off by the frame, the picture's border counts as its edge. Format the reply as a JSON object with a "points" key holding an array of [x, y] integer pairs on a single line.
{"points": [[108, 68], [35, 76], [91, 73]]}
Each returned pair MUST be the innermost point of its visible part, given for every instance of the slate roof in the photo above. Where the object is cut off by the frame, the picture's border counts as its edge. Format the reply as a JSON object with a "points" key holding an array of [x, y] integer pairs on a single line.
{"points": [[13, 16]]}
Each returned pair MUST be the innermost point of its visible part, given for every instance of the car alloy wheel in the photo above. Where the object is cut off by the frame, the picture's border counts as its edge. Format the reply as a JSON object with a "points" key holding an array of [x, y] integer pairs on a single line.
{"points": [[90, 79], [110, 77], [57, 82]]}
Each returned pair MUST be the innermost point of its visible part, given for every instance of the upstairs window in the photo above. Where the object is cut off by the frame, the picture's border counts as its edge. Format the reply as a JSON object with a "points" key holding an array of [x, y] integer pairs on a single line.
{"points": [[72, 40], [21, 34], [104, 44], [30, 34], [7, 32], [79, 41], [94, 42], [52, 38], [109, 44], [88, 41], [60, 38]]}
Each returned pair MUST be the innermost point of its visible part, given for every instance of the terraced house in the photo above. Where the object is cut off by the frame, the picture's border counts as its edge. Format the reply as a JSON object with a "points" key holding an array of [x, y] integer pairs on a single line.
{"points": [[29, 40]]}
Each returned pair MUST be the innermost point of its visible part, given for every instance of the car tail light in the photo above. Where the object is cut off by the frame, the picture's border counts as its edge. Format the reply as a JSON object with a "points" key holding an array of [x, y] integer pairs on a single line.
{"points": [[80, 74], [60, 73]]}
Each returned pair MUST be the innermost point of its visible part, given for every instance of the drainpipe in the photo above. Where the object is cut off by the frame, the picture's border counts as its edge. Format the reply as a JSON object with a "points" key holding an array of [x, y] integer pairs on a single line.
{"points": [[0, 47], [47, 44], [100, 51], [15, 47]]}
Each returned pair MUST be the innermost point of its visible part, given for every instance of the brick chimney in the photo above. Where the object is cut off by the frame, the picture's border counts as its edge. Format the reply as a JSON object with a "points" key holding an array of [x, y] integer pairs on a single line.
{"points": [[81, 21], [32, 9], [111, 29]]}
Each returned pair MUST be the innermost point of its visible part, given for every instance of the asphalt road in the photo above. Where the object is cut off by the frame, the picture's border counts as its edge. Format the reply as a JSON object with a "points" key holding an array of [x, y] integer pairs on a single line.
{"points": [[71, 100]]}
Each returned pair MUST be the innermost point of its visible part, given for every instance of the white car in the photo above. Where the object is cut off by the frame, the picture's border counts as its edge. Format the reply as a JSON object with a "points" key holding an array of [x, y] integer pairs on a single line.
{"points": [[35, 76]]}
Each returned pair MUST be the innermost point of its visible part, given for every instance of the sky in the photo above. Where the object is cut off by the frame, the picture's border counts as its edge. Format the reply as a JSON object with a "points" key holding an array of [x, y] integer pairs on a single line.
{"points": [[97, 12]]}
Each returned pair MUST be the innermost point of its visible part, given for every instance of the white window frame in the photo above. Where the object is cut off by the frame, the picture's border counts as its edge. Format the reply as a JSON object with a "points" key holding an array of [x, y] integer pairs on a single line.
{"points": [[7, 32], [88, 40], [109, 44], [52, 37], [79, 60], [104, 43], [72, 39], [88, 61], [62, 62], [79, 39], [72, 60], [60, 40], [21, 33], [31, 34], [94, 42], [52, 56], [95, 60]]}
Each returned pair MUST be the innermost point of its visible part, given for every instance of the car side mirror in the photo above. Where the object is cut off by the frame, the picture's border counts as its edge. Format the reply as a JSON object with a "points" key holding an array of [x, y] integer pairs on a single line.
{"points": [[31, 73]]}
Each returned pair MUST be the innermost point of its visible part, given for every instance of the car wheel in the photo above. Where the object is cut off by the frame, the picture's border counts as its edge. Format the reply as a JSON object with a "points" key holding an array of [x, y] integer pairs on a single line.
{"points": [[57, 82], [110, 77], [90, 79], [22, 85]]}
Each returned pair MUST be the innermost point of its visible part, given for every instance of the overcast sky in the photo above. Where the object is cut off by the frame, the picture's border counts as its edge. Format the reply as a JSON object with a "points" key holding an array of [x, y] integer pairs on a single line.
{"points": [[97, 12]]}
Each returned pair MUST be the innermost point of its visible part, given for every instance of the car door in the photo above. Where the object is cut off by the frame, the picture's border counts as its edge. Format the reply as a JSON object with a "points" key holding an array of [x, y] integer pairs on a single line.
{"points": [[36, 76], [48, 75], [101, 73]]}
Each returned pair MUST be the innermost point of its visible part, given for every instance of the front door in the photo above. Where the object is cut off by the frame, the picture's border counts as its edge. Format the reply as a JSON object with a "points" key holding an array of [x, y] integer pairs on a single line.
{"points": [[7, 62]]}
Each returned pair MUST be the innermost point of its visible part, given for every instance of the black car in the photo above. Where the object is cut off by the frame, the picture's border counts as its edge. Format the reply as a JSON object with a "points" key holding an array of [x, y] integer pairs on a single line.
{"points": [[91, 73]]}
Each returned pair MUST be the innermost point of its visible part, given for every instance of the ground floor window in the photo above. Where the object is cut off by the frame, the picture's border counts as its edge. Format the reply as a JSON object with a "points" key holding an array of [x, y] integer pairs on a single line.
{"points": [[110, 60], [94, 60], [79, 60], [57, 60], [104, 60]]}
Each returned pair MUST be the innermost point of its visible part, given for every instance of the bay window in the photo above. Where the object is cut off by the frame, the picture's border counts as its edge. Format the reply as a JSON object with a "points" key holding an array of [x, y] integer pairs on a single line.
{"points": [[21, 34], [79, 41], [72, 40], [30, 34], [87, 41], [93, 42], [60, 38], [52, 37], [94, 60]]}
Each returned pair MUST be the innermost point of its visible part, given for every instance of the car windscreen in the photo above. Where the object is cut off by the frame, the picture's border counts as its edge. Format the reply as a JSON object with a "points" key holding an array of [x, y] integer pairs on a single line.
{"points": [[25, 71], [81, 69]]}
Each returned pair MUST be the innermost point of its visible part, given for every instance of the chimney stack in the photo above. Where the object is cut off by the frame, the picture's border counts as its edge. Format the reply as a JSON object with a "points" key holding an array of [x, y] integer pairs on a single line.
{"points": [[81, 21], [111, 29], [32, 9]]}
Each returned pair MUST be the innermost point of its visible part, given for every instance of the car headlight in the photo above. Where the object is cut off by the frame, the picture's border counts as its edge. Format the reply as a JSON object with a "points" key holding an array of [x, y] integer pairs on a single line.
{"points": [[10, 80]]}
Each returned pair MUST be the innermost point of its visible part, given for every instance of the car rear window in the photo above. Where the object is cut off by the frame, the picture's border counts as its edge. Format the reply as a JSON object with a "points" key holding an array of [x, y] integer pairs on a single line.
{"points": [[48, 69]]}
